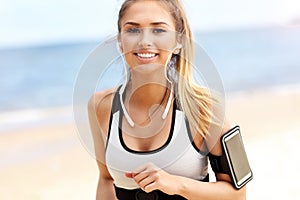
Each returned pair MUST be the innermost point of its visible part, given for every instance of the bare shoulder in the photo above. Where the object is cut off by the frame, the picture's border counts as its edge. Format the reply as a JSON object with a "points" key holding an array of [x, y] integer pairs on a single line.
{"points": [[214, 140], [99, 107], [101, 98]]}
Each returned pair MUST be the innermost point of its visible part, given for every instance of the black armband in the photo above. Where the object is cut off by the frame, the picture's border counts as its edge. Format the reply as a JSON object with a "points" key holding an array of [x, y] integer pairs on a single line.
{"points": [[233, 160], [219, 164]]}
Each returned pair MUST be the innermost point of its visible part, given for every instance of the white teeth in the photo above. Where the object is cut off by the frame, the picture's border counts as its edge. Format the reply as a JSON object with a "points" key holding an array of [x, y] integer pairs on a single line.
{"points": [[146, 55]]}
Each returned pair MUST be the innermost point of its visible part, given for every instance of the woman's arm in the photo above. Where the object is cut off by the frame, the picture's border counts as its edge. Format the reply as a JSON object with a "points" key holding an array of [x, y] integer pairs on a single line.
{"points": [[222, 188], [99, 109], [105, 188]]}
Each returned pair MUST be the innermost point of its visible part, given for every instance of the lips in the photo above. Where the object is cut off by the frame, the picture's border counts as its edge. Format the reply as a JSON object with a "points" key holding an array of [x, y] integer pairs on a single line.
{"points": [[146, 55]]}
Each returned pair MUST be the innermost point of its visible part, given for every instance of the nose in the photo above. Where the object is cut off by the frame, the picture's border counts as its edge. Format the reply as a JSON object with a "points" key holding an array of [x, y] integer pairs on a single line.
{"points": [[146, 39]]}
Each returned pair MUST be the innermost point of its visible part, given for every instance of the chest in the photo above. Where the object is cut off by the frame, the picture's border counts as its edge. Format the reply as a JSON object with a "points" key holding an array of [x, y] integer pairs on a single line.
{"points": [[149, 137], [172, 152]]}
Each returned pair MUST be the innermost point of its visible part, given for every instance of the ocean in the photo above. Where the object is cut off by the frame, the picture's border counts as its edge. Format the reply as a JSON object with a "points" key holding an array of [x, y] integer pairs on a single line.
{"points": [[43, 76]]}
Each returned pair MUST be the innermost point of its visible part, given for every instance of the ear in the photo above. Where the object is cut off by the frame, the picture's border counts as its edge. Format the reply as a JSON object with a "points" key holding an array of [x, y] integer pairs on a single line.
{"points": [[120, 47], [179, 37]]}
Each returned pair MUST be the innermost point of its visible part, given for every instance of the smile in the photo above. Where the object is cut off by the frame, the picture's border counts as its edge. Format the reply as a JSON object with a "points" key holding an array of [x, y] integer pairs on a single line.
{"points": [[146, 55]]}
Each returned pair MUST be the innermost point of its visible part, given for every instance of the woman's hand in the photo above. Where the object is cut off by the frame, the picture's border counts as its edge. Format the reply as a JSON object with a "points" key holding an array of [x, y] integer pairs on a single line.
{"points": [[149, 178]]}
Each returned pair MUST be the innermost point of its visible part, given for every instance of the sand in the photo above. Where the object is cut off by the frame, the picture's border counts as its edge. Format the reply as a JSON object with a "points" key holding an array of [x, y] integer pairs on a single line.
{"points": [[47, 161]]}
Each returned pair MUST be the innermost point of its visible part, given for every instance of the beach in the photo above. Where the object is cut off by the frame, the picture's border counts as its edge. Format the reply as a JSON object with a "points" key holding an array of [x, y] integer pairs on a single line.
{"points": [[269, 122], [46, 160]]}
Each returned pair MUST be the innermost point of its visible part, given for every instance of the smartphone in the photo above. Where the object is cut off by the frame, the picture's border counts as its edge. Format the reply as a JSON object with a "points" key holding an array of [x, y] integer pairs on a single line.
{"points": [[234, 150]]}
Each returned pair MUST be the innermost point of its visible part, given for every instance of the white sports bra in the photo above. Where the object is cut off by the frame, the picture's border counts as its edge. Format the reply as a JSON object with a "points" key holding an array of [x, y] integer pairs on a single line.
{"points": [[178, 156]]}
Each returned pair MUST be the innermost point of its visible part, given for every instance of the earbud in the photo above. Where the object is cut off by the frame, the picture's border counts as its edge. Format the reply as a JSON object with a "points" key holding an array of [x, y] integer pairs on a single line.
{"points": [[177, 48]]}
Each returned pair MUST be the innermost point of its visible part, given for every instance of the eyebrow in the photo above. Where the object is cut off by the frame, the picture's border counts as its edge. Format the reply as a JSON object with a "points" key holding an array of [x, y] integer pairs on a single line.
{"points": [[153, 23], [159, 23]]}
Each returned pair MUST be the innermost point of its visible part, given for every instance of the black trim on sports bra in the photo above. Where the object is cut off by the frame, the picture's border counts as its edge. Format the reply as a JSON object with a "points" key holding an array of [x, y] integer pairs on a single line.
{"points": [[109, 127], [114, 108], [152, 151]]}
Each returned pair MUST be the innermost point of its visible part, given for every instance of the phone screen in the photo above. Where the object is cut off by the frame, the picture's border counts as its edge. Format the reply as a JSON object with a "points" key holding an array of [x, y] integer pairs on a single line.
{"points": [[238, 158]]}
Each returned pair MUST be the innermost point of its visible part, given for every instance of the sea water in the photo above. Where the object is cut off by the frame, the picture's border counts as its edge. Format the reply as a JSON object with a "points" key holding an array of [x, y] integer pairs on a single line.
{"points": [[43, 76]]}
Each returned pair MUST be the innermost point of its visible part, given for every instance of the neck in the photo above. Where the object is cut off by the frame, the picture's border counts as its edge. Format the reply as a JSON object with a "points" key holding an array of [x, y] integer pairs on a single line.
{"points": [[144, 109], [147, 89], [147, 95]]}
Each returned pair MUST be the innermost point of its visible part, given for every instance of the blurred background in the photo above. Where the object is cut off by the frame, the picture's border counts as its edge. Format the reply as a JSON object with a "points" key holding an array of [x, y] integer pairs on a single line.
{"points": [[254, 44]]}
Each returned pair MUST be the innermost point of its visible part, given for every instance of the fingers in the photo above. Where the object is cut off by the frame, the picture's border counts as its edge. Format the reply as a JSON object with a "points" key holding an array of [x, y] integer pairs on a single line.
{"points": [[135, 172], [150, 187], [145, 176], [141, 169], [145, 182]]}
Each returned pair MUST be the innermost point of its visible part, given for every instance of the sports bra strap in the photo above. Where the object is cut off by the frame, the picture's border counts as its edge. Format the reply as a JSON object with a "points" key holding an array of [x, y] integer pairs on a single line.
{"points": [[116, 101]]}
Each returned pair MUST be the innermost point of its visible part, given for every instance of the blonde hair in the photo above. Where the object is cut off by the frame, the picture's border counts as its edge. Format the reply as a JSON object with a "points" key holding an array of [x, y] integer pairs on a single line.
{"points": [[195, 101]]}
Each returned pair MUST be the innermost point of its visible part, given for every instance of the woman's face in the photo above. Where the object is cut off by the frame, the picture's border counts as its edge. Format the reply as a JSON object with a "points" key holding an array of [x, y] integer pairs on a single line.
{"points": [[147, 34]]}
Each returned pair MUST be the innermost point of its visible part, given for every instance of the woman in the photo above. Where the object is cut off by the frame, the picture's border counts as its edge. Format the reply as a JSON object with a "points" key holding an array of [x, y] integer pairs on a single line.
{"points": [[152, 134]]}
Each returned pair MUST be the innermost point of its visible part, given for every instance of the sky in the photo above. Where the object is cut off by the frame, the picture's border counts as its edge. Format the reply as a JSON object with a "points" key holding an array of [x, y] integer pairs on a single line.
{"points": [[25, 22]]}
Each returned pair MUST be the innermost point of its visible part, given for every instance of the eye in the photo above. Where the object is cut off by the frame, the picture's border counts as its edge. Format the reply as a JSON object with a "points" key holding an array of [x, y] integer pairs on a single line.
{"points": [[158, 30], [133, 30]]}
